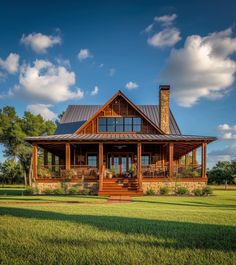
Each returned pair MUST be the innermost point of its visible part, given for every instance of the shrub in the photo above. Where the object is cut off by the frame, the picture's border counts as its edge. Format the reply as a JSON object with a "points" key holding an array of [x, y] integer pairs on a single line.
{"points": [[86, 191], [30, 191], [58, 191], [73, 191], [164, 190], [47, 191], [181, 191], [197, 192], [207, 190], [150, 192]]}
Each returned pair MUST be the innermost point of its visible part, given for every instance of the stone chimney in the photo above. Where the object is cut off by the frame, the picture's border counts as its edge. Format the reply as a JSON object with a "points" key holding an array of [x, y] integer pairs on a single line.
{"points": [[164, 110]]}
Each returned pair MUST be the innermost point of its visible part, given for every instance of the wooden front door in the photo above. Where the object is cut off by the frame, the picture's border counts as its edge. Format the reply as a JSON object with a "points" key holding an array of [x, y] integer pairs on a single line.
{"points": [[120, 164]]}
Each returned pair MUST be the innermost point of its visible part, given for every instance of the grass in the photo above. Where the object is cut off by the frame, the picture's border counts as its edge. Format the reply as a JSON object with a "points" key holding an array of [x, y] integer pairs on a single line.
{"points": [[150, 230]]}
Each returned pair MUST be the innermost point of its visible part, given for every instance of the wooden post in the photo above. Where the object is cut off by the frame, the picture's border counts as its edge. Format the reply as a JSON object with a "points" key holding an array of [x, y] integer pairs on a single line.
{"points": [[45, 158], [53, 162], [194, 158], [67, 156], [35, 160], [203, 160], [171, 155], [139, 165], [100, 166], [187, 161]]}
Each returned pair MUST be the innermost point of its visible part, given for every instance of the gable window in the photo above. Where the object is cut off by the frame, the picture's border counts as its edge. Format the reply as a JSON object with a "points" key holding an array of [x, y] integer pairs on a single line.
{"points": [[120, 124]]}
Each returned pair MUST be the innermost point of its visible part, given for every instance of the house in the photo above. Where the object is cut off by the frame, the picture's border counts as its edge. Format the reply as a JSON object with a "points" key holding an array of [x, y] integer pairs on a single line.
{"points": [[119, 148]]}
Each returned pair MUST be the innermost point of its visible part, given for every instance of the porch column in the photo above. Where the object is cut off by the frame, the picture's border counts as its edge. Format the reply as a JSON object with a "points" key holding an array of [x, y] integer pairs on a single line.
{"points": [[203, 160], [194, 158], [53, 162], [171, 164], [35, 160], [45, 158], [187, 160], [67, 156], [139, 165], [100, 166]]}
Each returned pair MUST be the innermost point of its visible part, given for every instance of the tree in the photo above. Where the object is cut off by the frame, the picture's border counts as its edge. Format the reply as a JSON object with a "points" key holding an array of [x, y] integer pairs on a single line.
{"points": [[14, 130], [11, 172]]}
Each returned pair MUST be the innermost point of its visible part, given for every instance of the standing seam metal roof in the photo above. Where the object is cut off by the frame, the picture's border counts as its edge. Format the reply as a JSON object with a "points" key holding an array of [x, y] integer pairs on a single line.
{"points": [[76, 115]]}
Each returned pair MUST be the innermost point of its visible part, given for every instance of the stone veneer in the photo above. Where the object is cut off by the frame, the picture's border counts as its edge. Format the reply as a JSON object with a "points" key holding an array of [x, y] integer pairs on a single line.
{"points": [[41, 186], [164, 110], [172, 185]]}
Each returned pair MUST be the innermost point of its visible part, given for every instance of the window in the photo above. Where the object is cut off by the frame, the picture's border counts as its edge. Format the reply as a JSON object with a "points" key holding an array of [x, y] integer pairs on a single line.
{"points": [[120, 124], [145, 159], [92, 160]]}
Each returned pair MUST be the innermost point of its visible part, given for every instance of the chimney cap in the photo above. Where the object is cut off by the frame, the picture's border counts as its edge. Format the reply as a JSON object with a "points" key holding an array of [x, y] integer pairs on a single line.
{"points": [[164, 87]]}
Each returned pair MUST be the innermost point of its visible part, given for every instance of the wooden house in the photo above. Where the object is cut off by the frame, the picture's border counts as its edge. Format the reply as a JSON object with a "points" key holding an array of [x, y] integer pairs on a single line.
{"points": [[119, 148]]}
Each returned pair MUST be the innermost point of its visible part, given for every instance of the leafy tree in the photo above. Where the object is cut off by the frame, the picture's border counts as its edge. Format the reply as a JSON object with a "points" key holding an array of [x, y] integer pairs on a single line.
{"points": [[11, 172], [14, 130]]}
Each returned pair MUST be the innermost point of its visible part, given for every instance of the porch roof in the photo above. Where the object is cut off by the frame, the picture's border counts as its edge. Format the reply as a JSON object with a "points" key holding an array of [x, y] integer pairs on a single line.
{"points": [[122, 137]]}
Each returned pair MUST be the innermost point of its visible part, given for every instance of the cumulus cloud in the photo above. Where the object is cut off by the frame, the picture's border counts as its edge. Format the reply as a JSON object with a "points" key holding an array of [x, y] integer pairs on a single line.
{"points": [[228, 136], [166, 20], [202, 68], [43, 110], [40, 42], [84, 54], [48, 82], [165, 38], [226, 127], [11, 63], [94, 92], [131, 85]]}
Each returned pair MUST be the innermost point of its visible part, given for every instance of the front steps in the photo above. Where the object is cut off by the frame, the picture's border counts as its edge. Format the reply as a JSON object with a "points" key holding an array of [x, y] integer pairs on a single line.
{"points": [[120, 187]]}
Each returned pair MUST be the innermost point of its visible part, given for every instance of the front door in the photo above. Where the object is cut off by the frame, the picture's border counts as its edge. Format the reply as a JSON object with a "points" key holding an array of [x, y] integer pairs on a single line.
{"points": [[120, 164]]}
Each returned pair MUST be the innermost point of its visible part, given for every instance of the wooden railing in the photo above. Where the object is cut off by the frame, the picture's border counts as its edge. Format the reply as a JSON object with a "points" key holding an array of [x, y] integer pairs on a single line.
{"points": [[153, 171], [75, 171]]}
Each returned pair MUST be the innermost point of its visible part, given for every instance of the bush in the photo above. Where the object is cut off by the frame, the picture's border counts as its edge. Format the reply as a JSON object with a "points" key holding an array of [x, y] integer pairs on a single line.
{"points": [[182, 191], [58, 191], [47, 191], [30, 191], [197, 192], [86, 191], [164, 190], [150, 192], [207, 190], [73, 191]]}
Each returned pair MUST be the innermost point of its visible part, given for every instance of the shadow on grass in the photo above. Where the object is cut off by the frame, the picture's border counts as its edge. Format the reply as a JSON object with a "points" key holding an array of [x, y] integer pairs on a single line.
{"points": [[169, 234], [193, 204]]}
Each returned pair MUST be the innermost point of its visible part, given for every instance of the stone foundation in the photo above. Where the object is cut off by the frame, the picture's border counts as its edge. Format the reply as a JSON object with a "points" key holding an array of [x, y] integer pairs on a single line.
{"points": [[42, 186], [155, 186]]}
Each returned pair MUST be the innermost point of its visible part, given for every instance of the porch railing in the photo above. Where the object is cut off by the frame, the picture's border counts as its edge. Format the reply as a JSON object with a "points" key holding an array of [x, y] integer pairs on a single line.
{"points": [[153, 170], [60, 171]]}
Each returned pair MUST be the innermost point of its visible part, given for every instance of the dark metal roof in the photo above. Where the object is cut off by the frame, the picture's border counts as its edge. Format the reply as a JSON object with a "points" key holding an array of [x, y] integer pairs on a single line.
{"points": [[120, 137], [81, 113]]}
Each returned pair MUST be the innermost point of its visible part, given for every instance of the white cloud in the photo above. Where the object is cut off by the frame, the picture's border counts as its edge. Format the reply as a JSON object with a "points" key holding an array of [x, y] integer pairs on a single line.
{"points": [[43, 110], [131, 85], [84, 54], [226, 127], [94, 92], [165, 38], [11, 64], [227, 153], [40, 42], [48, 82], [149, 28], [202, 68], [112, 71], [166, 20]]}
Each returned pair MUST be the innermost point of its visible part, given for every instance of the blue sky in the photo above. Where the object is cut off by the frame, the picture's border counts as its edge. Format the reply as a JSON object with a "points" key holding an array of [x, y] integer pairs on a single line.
{"points": [[55, 54]]}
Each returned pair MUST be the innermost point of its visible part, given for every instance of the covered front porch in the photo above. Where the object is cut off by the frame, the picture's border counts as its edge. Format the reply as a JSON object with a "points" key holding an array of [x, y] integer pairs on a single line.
{"points": [[120, 162]]}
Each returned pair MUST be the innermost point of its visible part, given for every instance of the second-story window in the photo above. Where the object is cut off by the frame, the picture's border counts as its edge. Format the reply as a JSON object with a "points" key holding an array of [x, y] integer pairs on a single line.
{"points": [[131, 124]]}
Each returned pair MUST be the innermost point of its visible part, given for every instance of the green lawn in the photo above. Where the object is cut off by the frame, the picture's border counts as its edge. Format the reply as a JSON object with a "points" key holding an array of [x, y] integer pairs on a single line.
{"points": [[150, 230]]}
